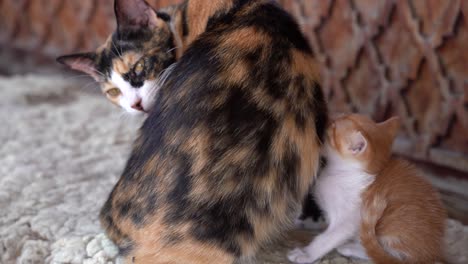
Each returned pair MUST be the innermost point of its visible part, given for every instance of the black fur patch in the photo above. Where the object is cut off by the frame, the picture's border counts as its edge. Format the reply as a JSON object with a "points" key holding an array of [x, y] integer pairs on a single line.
{"points": [[310, 208], [164, 16], [185, 107], [321, 112], [185, 26], [217, 222]]}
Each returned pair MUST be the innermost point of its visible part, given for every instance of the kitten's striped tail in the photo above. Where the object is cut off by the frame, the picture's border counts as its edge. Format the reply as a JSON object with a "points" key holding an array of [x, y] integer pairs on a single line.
{"points": [[371, 213]]}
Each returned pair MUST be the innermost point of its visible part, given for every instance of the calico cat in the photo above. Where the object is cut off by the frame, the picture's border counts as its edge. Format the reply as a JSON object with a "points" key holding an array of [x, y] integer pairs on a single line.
{"points": [[371, 197], [130, 67], [163, 42], [227, 154]]}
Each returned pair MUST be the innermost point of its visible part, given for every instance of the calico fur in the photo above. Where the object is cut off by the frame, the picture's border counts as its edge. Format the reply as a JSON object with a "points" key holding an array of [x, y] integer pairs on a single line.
{"points": [[159, 43], [377, 206], [227, 155], [129, 65]]}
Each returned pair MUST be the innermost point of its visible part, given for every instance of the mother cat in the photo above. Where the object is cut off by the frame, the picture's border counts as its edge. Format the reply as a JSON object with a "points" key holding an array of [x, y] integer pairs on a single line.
{"points": [[228, 152]]}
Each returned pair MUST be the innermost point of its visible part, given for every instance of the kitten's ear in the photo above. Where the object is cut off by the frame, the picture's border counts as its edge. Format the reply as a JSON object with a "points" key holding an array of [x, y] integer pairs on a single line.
{"points": [[356, 143], [83, 62], [390, 126], [133, 15]]}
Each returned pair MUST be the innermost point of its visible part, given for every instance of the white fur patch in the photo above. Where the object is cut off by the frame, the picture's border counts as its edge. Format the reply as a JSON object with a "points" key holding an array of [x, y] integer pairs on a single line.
{"points": [[353, 249], [388, 244], [338, 193], [147, 93], [130, 95]]}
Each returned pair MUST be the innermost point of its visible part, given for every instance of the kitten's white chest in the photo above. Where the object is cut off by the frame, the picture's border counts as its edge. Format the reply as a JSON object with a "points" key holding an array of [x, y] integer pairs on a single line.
{"points": [[338, 192]]}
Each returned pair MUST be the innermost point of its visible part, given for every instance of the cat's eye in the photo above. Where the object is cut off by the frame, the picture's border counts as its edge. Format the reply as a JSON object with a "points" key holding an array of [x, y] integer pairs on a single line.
{"points": [[139, 67], [113, 92]]}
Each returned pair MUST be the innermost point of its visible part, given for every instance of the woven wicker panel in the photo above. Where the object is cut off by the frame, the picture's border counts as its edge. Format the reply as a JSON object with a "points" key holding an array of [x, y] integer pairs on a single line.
{"points": [[387, 57], [405, 58], [56, 26]]}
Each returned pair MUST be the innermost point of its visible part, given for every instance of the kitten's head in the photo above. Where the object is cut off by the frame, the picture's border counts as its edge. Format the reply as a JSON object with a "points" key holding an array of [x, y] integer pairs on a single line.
{"points": [[358, 141], [129, 64]]}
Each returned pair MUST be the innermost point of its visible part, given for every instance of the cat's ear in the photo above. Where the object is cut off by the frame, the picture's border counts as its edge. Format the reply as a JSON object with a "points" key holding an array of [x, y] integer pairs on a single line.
{"points": [[356, 143], [391, 126], [133, 15], [83, 62]]}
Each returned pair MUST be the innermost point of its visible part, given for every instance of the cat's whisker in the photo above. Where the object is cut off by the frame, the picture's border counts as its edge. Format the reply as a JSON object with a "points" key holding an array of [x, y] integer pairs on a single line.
{"points": [[157, 84], [128, 118], [87, 85], [121, 52], [115, 47], [162, 77], [153, 90], [115, 54], [124, 115], [112, 51], [117, 50], [170, 50], [68, 78], [82, 76], [164, 74], [100, 73]]}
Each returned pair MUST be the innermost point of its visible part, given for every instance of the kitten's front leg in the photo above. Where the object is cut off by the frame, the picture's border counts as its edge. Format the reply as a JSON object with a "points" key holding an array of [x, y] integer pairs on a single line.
{"points": [[353, 249], [333, 237]]}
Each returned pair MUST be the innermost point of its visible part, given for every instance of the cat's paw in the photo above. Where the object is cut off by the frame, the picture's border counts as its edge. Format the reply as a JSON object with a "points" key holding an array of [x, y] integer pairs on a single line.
{"points": [[352, 250], [345, 250], [298, 223], [299, 255]]}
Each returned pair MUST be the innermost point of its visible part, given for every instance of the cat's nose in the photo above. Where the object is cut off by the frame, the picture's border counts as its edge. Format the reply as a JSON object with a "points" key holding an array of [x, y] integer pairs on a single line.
{"points": [[137, 105]]}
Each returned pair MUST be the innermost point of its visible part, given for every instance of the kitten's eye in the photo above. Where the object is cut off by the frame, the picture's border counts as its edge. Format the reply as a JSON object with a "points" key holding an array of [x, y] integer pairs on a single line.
{"points": [[113, 92], [139, 67]]}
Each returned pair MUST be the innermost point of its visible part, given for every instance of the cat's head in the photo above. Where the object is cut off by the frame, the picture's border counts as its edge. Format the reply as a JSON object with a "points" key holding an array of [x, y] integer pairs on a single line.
{"points": [[356, 140], [129, 64]]}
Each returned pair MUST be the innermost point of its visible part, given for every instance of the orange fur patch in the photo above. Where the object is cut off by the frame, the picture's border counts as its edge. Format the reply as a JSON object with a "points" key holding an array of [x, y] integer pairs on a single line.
{"points": [[152, 249], [302, 64], [198, 13], [123, 64], [402, 216]]}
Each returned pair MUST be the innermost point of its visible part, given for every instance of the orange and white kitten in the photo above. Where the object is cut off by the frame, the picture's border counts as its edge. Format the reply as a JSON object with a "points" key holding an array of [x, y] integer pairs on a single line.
{"points": [[376, 206]]}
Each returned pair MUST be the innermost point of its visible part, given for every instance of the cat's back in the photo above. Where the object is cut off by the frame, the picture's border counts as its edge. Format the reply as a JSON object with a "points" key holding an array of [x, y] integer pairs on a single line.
{"points": [[402, 182], [407, 193], [228, 153], [409, 212], [247, 90]]}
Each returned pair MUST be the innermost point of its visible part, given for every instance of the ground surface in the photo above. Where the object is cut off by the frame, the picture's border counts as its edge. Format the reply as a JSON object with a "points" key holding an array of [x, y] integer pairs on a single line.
{"points": [[62, 147]]}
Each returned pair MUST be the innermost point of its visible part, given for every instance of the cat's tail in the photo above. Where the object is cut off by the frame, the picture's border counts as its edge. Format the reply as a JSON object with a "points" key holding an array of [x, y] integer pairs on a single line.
{"points": [[371, 213]]}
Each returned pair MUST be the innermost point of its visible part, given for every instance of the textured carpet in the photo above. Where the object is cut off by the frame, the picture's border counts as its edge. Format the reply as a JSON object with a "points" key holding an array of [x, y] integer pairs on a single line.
{"points": [[62, 147]]}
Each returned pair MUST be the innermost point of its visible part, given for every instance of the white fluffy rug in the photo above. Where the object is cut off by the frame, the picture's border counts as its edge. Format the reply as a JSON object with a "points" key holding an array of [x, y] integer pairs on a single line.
{"points": [[62, 147]]}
